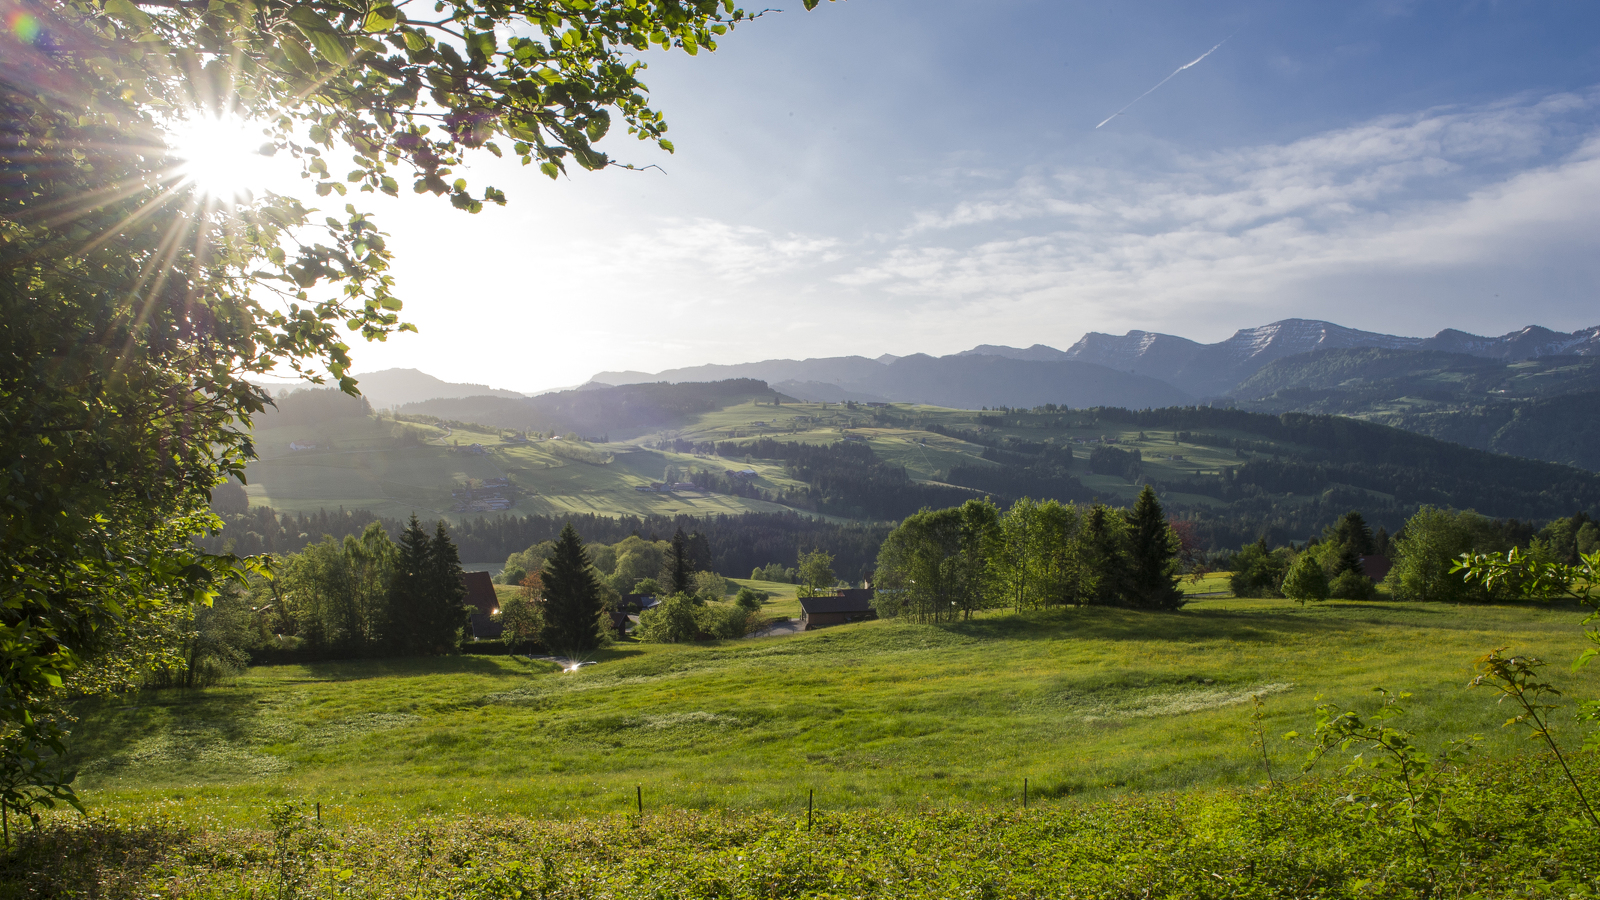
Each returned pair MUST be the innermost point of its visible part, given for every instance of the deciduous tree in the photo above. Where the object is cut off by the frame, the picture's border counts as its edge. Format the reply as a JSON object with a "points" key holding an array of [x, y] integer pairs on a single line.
{"points": [[134, 306]]}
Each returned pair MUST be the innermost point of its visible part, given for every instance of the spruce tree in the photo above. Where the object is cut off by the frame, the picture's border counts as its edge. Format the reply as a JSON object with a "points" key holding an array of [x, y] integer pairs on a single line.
{"points": [[1152, 555], [572, 603], [679, 569], [1103, 558], [408, 590], [444, 610]]}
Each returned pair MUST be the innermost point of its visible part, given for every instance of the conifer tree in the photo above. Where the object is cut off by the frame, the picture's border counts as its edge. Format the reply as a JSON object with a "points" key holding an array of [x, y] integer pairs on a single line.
{"points": [[445, 613], [679, 568], [572, 603], [1103, 557], [408, 589], [1152, 555]]}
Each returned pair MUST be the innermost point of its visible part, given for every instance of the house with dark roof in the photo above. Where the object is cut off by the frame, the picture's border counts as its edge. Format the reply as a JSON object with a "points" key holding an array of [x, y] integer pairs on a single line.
{"points": [[484, 604], [842, 606]]}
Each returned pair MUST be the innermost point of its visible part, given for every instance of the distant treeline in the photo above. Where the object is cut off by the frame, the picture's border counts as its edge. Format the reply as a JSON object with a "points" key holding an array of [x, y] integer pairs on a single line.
{"points": [[738, 544], [847, 479]]}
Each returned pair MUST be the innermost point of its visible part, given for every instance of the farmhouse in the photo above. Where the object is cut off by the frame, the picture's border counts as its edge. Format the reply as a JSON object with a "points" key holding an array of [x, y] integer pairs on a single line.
{"points": [[484, 604], [844, 605]]}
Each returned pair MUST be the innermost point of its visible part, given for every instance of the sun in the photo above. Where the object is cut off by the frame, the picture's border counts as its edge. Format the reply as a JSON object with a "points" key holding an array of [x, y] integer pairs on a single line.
{"points": [[219, 155]]}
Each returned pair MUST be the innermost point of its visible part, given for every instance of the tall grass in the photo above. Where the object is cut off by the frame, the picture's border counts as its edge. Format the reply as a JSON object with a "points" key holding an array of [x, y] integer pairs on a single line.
{"points": [[1086, 703]]}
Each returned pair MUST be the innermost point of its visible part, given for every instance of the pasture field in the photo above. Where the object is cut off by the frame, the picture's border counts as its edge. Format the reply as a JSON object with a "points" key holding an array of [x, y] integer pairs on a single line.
{"points": [[1085, 703], [359, 465]]}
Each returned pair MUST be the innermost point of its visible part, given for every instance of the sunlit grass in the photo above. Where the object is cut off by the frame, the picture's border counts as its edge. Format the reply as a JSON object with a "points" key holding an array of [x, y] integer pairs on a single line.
{"points": [[884, 714]]}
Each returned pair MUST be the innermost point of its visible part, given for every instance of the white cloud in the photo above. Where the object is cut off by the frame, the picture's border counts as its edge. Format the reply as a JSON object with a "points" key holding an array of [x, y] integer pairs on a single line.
{"points": [[1446, 189]]}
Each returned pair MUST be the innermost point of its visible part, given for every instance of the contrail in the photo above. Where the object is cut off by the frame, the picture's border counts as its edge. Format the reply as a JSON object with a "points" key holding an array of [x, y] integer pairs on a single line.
{"points": [[1165, 80]]}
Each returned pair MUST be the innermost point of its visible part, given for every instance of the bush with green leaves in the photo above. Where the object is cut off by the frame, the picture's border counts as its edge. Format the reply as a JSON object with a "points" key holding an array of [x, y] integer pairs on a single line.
{"points": [[675, 620], [710, 586], [773, 572], [1259, 571], [1427, 549], [749, 598], [1305, 579], [1352, 585]]}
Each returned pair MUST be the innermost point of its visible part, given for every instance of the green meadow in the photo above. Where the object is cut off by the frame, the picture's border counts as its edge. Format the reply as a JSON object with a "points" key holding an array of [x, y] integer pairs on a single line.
{"points": [[1086, 704]]}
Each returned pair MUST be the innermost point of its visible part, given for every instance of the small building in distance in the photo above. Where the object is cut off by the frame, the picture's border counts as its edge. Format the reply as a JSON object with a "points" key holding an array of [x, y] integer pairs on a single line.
{"points": [[484, 603], [842, 606]]}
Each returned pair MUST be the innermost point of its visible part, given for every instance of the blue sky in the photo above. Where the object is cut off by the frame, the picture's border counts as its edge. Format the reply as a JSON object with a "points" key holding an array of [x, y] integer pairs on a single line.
{"points": [[922, 176]]}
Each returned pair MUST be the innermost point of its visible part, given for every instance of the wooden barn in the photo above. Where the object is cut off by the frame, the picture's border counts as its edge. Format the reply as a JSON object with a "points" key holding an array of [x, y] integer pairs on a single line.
{"points": [[481, 598], [845, 605]]}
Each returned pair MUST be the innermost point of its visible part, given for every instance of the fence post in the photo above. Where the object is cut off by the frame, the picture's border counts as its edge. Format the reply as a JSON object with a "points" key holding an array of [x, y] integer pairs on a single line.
{"points": [[638, 794], [1024, 793], [811, 799], [319, 812]]}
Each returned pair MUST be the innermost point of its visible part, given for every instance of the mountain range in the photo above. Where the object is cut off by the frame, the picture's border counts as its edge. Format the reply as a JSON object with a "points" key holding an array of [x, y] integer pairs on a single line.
{"points": [[1140, 368]]}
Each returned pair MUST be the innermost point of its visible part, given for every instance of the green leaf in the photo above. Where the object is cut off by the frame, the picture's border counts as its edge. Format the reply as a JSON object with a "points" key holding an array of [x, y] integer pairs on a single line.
{"points": [[128, 13], [299, 55], [381, 18]]}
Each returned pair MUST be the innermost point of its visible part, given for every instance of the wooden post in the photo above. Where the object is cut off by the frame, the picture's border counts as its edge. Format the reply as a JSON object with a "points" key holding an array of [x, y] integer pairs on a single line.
{"points": [[319, 812], [1024, 793], [811, 799], [638, 794]]}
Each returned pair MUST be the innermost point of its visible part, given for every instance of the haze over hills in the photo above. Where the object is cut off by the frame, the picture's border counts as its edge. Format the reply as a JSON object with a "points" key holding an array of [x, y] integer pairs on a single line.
{"points": [[1196, 371], [960, 381], [396, 387]]}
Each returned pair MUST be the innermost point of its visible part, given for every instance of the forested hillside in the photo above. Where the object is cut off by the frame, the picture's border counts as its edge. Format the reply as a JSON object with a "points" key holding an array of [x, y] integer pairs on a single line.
{"points": [[1235, 473], [730, 449], [1546, 408]]}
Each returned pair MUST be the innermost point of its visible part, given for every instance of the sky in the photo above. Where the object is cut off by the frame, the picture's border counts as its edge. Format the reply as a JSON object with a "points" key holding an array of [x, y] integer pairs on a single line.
{"points": [[903, 176]]}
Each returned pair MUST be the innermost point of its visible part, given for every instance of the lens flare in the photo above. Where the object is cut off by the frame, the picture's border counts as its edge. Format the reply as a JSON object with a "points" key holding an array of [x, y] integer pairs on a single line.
{"points": [[25, 26], [219, 155]]}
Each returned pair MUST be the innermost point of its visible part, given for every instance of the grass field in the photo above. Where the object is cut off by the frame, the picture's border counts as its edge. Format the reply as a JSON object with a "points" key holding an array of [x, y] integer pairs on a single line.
{"points": [[1083, 702], [358, 465]]}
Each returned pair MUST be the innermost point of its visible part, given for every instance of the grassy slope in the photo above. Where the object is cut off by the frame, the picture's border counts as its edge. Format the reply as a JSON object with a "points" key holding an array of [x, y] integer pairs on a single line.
{"points": [[878, 714], [366, 470]]}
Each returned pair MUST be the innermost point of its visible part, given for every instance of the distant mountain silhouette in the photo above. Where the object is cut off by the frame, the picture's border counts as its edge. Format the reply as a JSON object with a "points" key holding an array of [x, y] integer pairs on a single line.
{"points": [[962, 380], [397, 387], [1084, 374]]}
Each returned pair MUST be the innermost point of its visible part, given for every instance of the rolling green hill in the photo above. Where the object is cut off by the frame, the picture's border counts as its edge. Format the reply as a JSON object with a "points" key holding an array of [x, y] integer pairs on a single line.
{"points": [[1235, 473]]}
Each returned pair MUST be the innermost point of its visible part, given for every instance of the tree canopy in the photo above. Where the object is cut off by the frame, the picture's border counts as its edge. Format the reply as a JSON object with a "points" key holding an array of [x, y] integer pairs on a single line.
{"points": [[135, 306]]}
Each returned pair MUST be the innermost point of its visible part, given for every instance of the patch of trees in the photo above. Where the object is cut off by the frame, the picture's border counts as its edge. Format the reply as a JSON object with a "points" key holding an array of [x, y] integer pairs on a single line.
{"points": [[1004, 482], [1424, 554], [735, 543], [369, 595], [939, 565], [1331, 567], [846, 479], [1114, 461]]}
